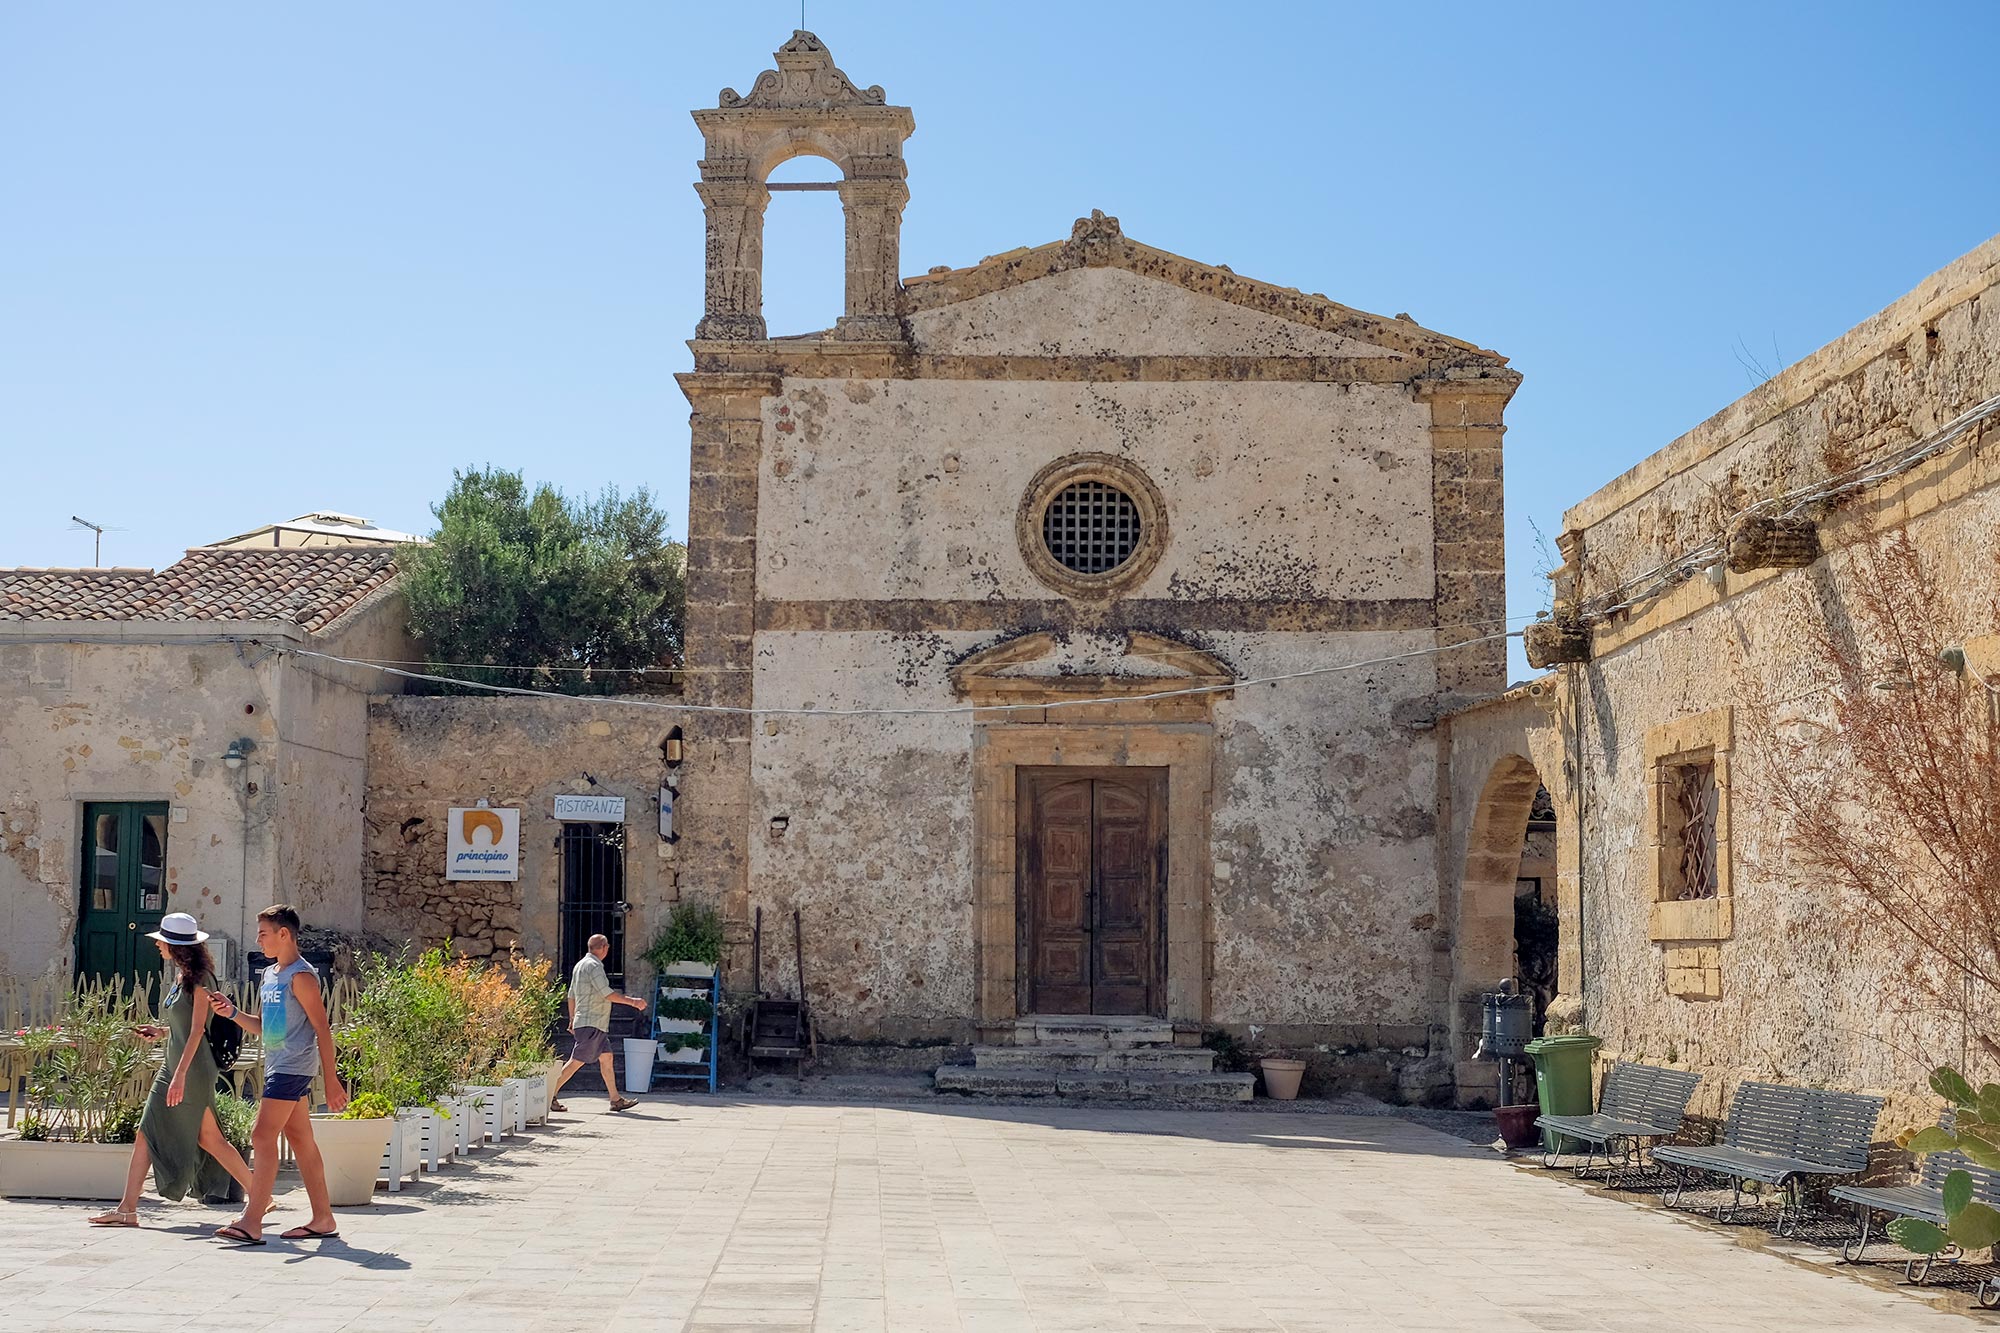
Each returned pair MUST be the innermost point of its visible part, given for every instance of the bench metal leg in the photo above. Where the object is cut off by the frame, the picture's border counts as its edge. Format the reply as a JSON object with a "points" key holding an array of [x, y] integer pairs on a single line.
{"points": [[1852, 1248], [1989, 1294], [1917, 1270]]}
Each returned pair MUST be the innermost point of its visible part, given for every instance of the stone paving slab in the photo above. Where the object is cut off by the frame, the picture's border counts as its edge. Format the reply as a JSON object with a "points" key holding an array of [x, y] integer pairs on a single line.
{"points": [[703, 1215]]}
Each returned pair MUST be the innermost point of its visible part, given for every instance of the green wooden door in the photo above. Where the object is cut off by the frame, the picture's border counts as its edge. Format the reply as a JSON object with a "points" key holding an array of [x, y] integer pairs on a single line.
{"points": [[124, 866]]}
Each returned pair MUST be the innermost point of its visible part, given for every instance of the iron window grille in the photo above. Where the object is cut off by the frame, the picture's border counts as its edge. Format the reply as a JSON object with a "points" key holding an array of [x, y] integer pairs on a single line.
{"points": [[1091, 527]]}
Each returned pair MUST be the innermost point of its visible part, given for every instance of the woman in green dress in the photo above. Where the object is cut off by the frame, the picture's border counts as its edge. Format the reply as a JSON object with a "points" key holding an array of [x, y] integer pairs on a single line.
{"points": [[179, 1138]]}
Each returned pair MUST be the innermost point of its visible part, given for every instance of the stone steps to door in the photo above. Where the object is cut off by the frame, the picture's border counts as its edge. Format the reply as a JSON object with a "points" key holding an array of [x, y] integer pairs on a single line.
{"points": [[1092, 1032], [1096, 1084], [1131, 1059]]}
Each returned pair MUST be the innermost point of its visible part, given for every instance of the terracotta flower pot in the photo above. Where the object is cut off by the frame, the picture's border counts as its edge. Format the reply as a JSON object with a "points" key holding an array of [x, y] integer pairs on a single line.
{"points": [[1517, 1125], [1281, 1077]]}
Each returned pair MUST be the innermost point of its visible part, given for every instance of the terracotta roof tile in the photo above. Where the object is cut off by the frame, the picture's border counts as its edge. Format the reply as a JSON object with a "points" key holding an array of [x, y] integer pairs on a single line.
{"points": [[306, 586]]}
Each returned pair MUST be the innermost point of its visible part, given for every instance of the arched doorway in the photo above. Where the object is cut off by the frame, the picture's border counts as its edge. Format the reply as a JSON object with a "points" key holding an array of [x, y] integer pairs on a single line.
{"points": [[1512, 828]]}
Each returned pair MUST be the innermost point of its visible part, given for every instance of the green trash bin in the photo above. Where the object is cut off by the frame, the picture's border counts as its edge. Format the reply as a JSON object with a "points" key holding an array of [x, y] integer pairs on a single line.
{"points": [[1563, 1084]]}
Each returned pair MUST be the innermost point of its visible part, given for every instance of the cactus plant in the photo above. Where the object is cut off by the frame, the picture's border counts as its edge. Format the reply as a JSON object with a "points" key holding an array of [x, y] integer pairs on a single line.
{"points": [[1976, 1133]]}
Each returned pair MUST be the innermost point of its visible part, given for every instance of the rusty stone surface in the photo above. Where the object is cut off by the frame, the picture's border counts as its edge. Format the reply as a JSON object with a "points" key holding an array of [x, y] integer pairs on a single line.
{"points": [[1767, 980]]}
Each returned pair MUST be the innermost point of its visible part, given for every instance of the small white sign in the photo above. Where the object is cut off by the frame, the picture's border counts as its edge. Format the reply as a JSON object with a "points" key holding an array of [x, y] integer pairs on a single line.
{"points": [[483, 843], [591, 809]]}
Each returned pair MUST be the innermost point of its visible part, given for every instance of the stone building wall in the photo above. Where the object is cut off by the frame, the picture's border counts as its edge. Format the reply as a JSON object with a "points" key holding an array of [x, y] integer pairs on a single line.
{"points": [[149, 721], [427, 755], [1770, 979]]}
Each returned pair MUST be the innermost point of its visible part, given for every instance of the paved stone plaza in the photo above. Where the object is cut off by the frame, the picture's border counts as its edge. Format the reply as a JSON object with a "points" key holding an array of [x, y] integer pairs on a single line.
{"points": [[706, 1216]]}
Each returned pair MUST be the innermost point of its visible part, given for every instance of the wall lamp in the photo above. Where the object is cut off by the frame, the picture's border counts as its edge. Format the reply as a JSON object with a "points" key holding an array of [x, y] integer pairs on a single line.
{"points": [[239, 749]]}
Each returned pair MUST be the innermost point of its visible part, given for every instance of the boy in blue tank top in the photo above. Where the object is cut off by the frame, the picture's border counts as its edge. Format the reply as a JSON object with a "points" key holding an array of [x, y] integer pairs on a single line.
{"points": [[298, 1045]]}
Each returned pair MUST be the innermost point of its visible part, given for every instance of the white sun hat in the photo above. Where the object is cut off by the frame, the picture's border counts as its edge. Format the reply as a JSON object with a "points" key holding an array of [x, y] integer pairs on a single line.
{"points": [[178, 928]]}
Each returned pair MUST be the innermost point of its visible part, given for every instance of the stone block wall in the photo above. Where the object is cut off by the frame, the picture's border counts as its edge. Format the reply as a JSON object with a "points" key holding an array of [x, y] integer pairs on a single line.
{"points": [[427, 755]]}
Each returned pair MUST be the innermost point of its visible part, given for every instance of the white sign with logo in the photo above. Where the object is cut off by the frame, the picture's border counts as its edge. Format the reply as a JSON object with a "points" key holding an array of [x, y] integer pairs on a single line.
{"points": [[483, 843], [591, 809]]}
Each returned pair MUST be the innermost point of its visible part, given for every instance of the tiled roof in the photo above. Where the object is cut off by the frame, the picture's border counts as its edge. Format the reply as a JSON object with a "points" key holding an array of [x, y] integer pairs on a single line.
{"points": [[305, 586]]}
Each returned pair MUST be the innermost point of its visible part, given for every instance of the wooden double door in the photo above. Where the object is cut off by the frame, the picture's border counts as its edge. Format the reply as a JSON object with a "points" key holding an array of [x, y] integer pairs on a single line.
{"points": [[1091, 890]]}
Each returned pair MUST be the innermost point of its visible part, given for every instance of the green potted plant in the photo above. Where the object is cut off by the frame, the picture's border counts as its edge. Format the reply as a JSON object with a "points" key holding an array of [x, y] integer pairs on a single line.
{"points": [[235, 1118], [690, 944], [683, 1048], [87, 1083]]}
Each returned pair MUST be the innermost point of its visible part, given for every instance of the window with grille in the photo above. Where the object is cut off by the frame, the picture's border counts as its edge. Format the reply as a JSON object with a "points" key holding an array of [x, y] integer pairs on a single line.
{"points": [[1691, 789], [1091, 527]]}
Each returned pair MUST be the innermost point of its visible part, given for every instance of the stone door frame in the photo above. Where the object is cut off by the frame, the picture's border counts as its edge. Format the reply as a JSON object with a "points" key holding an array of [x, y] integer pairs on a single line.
{"points": [[1186, 751]]}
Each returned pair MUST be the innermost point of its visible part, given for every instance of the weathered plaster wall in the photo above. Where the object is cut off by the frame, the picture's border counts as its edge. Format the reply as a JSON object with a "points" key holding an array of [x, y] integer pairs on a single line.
{"points": [[136, 721], [426, 755], [129, 722], [1325, 815], [909, 489], [1108, 311], [876, 851], [321, 763], [1799, 996]]}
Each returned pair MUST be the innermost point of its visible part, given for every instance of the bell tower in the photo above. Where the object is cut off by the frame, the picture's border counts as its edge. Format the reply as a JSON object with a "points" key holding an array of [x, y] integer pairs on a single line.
{"points": [[805, 106]]}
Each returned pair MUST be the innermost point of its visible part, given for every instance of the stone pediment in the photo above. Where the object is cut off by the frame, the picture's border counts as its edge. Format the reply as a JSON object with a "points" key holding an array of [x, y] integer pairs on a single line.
{"points": [[1101, 293], [1040, 668], [806, 77]]}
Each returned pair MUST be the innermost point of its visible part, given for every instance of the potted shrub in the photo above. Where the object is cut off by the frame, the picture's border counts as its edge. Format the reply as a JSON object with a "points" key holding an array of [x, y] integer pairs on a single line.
{"points": [[683, 1014], [352, 1144], [690, 944], [685, 1048], [87, 1083], [235, 1118]]}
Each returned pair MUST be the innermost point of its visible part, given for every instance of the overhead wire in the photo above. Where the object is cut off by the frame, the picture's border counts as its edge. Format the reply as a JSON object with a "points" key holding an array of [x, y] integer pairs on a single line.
{"points": [[1790, 504], [954, 710]]}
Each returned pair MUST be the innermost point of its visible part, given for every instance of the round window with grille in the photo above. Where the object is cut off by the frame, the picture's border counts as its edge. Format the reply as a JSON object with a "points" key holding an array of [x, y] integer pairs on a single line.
{"points": [[1092, 527]]}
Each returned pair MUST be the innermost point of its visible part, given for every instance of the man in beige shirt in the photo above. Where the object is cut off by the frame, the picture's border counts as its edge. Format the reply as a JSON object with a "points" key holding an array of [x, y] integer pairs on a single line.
{"points": [[590, 1001]]}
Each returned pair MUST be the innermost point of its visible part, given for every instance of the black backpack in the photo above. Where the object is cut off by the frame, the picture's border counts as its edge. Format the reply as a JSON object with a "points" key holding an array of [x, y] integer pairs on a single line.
{"points": [[225, 1041]]}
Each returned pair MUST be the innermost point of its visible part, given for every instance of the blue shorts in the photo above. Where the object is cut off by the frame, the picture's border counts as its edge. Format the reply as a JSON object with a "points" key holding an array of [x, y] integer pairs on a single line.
{"points": [[287, 1087]]}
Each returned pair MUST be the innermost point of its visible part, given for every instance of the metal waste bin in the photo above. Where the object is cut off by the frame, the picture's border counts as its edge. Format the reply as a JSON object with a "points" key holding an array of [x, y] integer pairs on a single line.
{"points": [[1563, 1082]]}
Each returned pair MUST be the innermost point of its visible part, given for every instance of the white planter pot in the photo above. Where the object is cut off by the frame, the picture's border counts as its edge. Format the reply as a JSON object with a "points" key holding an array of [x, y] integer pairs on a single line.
{"points": [[681, 1025], [639, 1053], [686, 1055], [440, 1138], [465, 1130], [688, 967], [403, 1156], [682, 993], [422, 1130], [352, 1150], [63, 1170], [538, 1098], [487, 1120], [516, 1104]]}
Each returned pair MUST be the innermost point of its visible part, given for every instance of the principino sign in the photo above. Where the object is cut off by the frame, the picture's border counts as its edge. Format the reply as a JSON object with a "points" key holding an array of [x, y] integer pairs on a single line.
{"points": [[483, 843]]}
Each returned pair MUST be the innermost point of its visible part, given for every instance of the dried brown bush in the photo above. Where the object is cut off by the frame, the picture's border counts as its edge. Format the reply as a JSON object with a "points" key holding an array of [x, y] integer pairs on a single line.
{"points": [[1891, 791]]}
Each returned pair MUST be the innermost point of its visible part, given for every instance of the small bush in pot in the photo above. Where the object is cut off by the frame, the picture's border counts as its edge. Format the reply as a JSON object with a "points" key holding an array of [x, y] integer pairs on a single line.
{"points": [[693, 934]]}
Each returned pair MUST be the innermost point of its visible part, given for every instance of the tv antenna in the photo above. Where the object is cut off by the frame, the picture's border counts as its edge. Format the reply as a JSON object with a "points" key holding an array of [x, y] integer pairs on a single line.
{"points": [[97, 547]]}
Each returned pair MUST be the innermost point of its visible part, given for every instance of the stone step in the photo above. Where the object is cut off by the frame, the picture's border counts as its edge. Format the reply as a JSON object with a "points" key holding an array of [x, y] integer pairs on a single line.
{"points": [[1131, 1059], [1095, 1084], [1092, 1032]]}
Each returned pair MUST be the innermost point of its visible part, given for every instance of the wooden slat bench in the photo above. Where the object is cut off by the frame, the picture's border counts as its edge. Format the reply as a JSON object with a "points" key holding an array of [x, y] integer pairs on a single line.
{"points": [[1787, 1137], [1640, 1103]]}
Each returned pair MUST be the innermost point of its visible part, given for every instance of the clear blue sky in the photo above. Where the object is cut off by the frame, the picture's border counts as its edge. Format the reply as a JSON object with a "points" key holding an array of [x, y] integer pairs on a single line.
{"points": [[259, 259]]}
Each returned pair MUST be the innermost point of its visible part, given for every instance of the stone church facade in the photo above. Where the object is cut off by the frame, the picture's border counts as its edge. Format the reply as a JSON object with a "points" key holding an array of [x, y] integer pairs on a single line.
{"points": [[1064, 511]]}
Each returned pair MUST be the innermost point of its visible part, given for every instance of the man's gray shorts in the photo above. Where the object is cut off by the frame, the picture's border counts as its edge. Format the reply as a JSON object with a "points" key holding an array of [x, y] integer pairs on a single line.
{"points": [[590, 1043]]}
